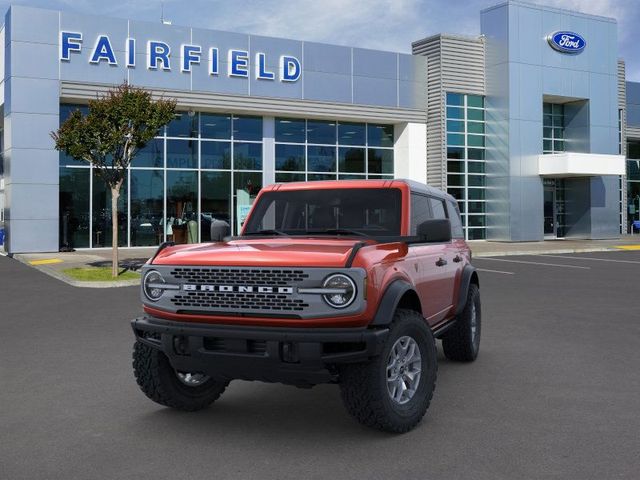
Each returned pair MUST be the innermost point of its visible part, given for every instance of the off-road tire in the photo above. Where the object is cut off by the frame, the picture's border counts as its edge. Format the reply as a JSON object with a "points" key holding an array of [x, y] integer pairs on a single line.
{"points": [[459, 343], [364, 385], [158, 381]]}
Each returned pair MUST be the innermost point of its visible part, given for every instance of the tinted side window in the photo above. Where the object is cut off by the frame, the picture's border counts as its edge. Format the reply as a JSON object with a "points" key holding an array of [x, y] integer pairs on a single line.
{"points": [[456, 222], [437, 207], [420, 211]]}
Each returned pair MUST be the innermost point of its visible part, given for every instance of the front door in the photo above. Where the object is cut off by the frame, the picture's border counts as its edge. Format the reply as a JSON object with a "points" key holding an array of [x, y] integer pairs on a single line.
{"points": [[554, 224]]}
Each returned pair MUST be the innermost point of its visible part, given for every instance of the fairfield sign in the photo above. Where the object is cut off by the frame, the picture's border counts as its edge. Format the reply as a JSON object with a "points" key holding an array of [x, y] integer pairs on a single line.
{"points": [[159, 56]]}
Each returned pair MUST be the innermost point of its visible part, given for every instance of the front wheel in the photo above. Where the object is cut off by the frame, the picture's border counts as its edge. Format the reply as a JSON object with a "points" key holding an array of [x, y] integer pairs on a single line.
{"points": [[162, 384], [393, 391]]}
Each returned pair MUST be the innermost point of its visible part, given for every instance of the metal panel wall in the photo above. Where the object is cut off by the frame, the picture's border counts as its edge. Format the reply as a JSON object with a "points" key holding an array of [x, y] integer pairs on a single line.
{"points": [[454, 64], [521, 70]]}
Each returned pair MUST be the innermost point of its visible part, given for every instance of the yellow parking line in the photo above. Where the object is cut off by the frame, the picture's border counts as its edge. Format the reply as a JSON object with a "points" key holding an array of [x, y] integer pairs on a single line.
{"points": [[45, 261], [628, 247]]}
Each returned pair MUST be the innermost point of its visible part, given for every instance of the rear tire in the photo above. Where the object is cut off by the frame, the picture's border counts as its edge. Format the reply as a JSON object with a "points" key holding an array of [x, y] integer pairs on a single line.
{"points": [[369, 390], [462, 342], [160, 382]]}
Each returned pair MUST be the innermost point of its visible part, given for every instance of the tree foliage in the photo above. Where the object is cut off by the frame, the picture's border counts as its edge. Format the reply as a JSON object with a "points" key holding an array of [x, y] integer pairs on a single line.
{"points": [[117, 126]]}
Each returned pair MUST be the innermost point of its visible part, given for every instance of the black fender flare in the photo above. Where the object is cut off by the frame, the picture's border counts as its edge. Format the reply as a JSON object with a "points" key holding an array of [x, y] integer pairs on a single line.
{"points": [[468, 274], [389, 302]]}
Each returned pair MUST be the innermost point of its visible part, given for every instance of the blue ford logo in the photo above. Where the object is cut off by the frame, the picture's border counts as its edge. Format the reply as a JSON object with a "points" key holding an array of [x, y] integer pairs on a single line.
{"points": [[567, 42]]}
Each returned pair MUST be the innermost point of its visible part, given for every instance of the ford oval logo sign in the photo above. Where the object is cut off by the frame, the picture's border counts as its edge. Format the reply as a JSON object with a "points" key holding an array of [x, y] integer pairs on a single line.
{"points": [[567, 42]]}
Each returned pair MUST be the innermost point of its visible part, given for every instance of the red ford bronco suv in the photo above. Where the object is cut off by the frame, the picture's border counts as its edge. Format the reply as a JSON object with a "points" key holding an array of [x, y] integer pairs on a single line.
{"points": [[346, 282]]}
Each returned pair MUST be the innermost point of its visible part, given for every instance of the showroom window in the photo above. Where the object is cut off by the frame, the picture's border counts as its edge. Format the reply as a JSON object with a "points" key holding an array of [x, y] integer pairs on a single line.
{"points": [[633, 183], [199, 175], [308, 150], [465, 140], [553, 140]]}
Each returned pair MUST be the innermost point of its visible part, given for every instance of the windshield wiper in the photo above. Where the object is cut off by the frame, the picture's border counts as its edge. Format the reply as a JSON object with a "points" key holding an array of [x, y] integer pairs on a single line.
{"points": [[338, 231], [268, 231]]}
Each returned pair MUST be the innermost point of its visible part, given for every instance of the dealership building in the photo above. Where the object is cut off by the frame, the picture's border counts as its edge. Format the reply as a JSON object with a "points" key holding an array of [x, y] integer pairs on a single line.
{"points": [[531, 125]]}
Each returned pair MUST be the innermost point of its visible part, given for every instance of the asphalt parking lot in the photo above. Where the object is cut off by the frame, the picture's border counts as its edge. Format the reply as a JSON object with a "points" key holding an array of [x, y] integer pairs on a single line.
{"points": [[555, 392]]}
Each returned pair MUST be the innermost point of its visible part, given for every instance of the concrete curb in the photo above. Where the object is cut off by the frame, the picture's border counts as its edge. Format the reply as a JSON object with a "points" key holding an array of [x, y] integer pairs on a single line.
{"points": [[543, 252], [76, 283]]}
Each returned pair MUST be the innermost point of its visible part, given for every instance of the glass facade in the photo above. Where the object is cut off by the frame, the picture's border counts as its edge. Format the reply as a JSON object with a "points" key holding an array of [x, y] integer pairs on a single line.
{"points": [[465, 131], [553, 128], [633, 182], [308, 150], [200, 172]]}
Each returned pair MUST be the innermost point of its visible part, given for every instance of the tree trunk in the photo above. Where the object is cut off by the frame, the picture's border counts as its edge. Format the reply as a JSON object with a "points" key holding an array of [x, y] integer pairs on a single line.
{"points": [[115, 194]]}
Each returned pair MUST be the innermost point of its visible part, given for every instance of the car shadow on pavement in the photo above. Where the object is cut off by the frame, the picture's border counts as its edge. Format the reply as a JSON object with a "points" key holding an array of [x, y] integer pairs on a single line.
{"points": [[277, 411]]}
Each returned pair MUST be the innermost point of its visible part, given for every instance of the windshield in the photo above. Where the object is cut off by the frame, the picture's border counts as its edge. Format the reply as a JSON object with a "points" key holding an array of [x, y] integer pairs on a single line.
{"points": [[358, 212]]}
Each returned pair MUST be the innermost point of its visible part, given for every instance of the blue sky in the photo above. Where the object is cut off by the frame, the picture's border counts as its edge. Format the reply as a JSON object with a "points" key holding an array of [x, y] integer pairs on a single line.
{"points": [[380, 24]]}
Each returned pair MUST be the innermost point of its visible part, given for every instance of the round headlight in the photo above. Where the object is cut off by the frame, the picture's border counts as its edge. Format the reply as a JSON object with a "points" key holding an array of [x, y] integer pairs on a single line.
{"points": [[151, 285], [342, 290]]}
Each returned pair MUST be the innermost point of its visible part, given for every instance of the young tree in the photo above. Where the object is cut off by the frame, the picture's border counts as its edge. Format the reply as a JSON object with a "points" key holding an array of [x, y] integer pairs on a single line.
{"points": [[117, 126]]}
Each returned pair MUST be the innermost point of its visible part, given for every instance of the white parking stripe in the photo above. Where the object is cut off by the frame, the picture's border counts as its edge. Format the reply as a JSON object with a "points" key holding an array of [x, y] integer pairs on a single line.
{"points": [[494, 271], [532, 263], [590, 258]]}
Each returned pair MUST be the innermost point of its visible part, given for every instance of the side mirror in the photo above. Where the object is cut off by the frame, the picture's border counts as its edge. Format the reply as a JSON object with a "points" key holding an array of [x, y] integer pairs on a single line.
{"points": [[435, 230]]}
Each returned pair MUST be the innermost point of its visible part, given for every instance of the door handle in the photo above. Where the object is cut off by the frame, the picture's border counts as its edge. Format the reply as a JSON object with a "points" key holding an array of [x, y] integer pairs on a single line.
{"points": [[457, 259], [441, 262]]}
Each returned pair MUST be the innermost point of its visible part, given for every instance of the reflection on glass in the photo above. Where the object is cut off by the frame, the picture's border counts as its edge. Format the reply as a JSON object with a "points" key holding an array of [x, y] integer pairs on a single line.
{"points": [[151, 155], [182, 153], [380, 135], [290, 157], [351, 133], [290, 130], [147, 187], [289, 177], [247, 156], [74, 207], [380, 160], [215, 200], [455, 180], [314, 177], [351, 160], [215, 155], [185, 124], [455, 99], [215, 126], [181, 222], [247, 128], [101, 215], [321, 132], [321, 159], [246, 186]]}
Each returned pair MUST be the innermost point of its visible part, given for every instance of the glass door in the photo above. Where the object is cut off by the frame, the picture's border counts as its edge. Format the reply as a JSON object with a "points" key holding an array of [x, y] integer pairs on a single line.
{"points": [[554, 208], [549, 207]]}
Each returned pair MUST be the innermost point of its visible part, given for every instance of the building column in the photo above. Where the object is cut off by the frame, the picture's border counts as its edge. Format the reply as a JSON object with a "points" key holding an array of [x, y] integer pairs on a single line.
{"points": [[31, 113], [410, 151], [268, 151]]}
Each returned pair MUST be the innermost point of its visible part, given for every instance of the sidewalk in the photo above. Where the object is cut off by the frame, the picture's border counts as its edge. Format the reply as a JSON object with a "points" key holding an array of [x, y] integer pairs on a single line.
{"points": [[482, 248], [133, 258], [53, 264]]}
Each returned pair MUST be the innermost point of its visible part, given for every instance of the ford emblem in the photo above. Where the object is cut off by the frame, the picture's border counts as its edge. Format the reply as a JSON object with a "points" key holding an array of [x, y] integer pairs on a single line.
{"points": [[567, 42]]}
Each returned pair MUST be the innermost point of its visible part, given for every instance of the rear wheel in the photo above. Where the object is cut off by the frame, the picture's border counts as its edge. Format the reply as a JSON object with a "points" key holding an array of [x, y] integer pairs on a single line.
{"points": [[158, 380], [462, 342], [393, 391]]}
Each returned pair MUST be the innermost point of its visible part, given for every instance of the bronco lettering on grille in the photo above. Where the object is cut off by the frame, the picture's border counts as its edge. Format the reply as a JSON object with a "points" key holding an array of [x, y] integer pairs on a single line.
{"points": [[237, 289]]}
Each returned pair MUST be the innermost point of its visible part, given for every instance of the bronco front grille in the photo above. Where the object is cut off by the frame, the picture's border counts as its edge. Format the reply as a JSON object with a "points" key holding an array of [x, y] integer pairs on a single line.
{"points": [[239, 276], [239, 301]]}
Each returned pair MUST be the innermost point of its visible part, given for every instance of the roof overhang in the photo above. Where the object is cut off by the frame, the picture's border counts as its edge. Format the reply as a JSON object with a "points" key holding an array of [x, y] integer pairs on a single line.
{"points": [[574, 164]]}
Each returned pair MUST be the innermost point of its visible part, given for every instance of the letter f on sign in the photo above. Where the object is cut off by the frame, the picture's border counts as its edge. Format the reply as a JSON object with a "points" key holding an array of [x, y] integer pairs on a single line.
{"points": [[69, 42]]}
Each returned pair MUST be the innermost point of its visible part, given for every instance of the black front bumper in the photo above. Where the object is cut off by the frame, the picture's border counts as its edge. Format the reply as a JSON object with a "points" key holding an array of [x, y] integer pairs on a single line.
{"points": [[298, 356]]}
